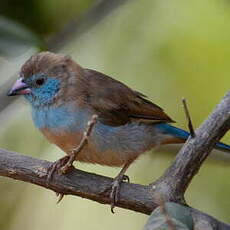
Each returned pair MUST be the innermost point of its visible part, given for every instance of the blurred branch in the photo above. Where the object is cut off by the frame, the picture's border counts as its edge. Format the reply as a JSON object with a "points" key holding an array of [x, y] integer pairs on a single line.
{"points": [[72, 30], [168, 220], [171, 186], [4, 100], [78, 26], [170, 216]]}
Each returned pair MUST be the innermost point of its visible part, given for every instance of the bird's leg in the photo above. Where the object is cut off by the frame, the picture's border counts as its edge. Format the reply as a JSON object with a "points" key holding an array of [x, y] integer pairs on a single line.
{"points": [[65, 163], [116, 185], [74, 153], [72, 157], [55, 167]]}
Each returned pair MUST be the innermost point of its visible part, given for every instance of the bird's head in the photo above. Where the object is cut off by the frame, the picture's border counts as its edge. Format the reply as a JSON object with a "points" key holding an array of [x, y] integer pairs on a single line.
{"points": [[47, 78]]}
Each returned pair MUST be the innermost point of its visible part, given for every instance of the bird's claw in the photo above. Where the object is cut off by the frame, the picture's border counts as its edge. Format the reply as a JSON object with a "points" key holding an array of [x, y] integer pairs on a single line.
{"points": [[60, 197], [116, 189], [65, 168], [56, 167], [114, 194], [125, 178]]}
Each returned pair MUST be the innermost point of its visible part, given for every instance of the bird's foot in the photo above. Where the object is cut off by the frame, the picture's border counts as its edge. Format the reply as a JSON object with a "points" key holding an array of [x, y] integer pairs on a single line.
{"points": [[56, 167], [115, 189], [60, 197], [125, 178], [68, 164]]}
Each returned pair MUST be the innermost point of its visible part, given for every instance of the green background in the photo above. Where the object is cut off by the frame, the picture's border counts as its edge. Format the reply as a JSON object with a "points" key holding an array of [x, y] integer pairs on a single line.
{"points": [[165, 49]]}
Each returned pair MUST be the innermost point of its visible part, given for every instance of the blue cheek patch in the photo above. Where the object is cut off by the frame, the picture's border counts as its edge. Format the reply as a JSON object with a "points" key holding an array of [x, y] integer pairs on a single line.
{"points": [[44, 94]]}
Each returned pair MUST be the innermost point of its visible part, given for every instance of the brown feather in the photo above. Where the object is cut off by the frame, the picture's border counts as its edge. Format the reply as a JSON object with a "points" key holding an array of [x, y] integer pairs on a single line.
{"points": [[117, 104], [114, 103]]}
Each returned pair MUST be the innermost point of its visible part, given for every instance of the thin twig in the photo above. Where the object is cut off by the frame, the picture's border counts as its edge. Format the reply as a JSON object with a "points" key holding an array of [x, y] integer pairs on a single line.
{"points": [[190, 125], [192, 155]]}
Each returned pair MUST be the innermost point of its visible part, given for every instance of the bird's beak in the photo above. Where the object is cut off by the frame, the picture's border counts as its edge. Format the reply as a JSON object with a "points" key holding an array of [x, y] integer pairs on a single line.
{"points": [[19, 88]]}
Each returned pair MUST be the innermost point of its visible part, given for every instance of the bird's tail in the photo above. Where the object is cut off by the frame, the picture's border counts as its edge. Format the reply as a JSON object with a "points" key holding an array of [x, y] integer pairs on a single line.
{"points": [[223, 147], [180, 135]]}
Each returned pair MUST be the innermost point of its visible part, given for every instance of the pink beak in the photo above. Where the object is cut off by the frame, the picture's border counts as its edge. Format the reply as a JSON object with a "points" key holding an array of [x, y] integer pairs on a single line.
{"points": [[19, 88]]}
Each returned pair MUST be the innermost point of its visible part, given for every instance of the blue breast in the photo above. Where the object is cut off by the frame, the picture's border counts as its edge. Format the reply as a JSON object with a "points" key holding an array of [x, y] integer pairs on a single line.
{"points": [[132, 137], [62, 118]]}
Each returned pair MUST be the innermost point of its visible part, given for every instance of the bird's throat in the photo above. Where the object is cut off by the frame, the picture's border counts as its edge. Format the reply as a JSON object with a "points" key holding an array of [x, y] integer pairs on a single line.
{"points": [[62, 118]]}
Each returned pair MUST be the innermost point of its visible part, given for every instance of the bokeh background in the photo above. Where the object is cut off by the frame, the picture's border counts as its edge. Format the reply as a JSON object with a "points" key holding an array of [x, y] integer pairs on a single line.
{"points": [[165, 49]]}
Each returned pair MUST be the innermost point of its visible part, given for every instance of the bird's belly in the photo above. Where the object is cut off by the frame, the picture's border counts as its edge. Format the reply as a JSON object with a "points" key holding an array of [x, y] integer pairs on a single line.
{"points": [[109, 157], [68, 141], [107, 145], [64, 140]]}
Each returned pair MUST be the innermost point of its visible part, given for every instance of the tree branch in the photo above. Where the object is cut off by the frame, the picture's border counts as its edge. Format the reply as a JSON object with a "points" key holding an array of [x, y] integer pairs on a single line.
{"points": [[178, 176], [171, 186], [76, 182]]}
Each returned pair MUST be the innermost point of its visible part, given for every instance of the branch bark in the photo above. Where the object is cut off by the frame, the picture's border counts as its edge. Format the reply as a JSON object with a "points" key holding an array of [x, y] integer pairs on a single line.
{"points": [[188, 161], [171, 186], [76, 182]]}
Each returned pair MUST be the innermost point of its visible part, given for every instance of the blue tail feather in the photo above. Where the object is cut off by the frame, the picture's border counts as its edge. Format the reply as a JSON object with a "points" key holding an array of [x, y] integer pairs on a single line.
{"points": [[182, 134], [174, 131], [223, 147]]}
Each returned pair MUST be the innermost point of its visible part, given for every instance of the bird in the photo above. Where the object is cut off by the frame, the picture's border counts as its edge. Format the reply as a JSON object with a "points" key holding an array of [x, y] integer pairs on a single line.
{"points": [[64, 97]]}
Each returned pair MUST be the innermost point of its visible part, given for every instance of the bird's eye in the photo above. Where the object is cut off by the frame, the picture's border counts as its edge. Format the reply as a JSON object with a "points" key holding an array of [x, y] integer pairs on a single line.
{"points": [[40, 81]]}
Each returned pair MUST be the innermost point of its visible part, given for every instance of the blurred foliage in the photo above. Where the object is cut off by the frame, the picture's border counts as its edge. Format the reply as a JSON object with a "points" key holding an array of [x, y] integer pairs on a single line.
{"points": [[15, 39], [170, 216], [165, 49], [43, 17]]}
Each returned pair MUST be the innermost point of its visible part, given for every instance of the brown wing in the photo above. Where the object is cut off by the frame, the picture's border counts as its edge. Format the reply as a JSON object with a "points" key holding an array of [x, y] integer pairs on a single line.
{"points": [[116, 104]]}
